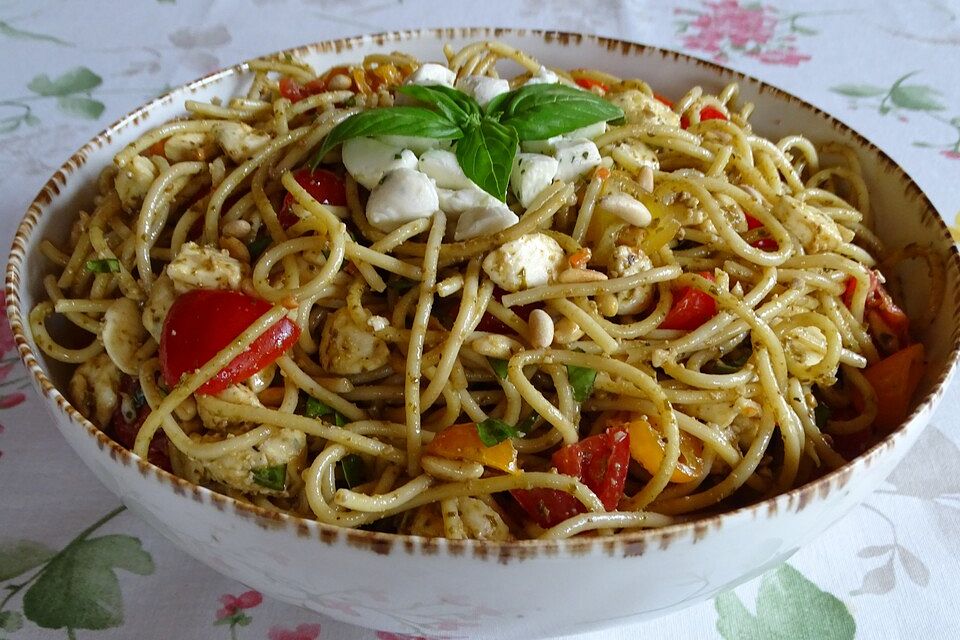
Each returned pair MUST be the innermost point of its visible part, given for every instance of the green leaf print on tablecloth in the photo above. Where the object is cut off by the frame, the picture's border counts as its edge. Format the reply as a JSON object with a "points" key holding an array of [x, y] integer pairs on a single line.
{"points": [[75, 588], [72, 90], [789, 607], [11, 31]]}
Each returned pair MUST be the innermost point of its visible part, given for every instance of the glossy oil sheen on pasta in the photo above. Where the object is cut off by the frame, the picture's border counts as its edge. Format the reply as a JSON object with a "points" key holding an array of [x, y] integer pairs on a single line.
{"points": [[668, 316]]}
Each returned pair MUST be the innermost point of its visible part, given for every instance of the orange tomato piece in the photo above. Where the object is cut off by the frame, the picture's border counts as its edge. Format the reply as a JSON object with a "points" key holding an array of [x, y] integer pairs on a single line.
{"points": [[895, 379], [462, 442], [648, 445]]}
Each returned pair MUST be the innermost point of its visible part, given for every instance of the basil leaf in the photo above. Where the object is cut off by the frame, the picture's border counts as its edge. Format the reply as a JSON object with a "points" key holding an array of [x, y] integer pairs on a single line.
{"points": [[274, 477], [581, 379], [313, 408], [499, 366], [107, 265], [354, 470], [257, 247], [398, 121], [457, 106], [486, 154], [492, 431], [541, 111], [733, 361], [525, 425], [821, 414]]}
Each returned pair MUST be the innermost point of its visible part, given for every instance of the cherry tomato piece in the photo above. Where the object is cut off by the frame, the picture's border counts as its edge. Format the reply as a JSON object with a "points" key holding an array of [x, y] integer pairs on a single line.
{"points": [[691, 308], [130, 416], [707, 113], [590, 83], [324, 186], [203, 322]]}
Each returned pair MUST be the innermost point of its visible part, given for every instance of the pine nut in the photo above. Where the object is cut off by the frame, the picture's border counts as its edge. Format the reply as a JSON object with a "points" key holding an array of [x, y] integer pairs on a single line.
{"points": [[627, 208], [541, 329], [494, 346], [236, 249], [607, 304], [236, 229], [646, 178], [566, 331], [339, 82], [576, 276]]}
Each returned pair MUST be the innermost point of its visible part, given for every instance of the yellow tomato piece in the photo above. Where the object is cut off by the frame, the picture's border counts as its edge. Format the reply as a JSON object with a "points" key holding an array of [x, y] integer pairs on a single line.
{"points": [[647, 446], [462, 442]]}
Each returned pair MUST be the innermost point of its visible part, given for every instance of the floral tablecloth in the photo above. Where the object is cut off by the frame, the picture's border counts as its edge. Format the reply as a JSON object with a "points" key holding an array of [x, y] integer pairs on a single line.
{"points": [[74, 564]]}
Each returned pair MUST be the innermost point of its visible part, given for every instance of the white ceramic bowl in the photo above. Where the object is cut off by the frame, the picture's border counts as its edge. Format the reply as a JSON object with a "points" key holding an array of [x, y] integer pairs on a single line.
{"points": [[465, 588]]}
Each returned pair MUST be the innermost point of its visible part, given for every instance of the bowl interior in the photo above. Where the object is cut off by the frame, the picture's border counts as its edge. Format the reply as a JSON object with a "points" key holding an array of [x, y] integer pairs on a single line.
{"points": [[902, 214]]}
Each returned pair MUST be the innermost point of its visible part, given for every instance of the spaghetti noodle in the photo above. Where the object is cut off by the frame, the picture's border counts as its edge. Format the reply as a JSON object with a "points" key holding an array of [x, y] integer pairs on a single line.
{"points": [[715, 329]]}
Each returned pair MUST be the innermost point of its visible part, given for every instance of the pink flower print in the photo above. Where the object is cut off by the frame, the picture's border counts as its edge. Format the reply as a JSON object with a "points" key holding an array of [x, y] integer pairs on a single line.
{"points": [[6, 335], [788, 56], [302, 632], [233, 604], [11, 400], [727, 23], [950, 153]]}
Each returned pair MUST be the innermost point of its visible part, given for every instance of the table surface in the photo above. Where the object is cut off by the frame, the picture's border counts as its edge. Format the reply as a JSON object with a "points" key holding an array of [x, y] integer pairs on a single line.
{"points": [[889, 69]]}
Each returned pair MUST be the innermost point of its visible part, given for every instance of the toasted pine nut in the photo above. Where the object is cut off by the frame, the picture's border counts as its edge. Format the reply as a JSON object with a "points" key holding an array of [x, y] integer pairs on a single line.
{"points": [[646, 178], [494, 345], [236, 249], [607, 304], [236, 229], [339, 82], [573, 276], [566, 331], [627, 208], [541, 329], [272, 397]]}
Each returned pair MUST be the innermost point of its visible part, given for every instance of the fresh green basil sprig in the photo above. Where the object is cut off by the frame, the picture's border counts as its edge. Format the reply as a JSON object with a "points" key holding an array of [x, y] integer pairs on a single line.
{"points": [[487, 138]]}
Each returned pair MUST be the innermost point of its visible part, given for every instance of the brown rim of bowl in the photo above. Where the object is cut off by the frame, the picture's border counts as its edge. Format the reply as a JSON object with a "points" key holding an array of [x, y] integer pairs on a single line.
{"points": [[627, 543]]}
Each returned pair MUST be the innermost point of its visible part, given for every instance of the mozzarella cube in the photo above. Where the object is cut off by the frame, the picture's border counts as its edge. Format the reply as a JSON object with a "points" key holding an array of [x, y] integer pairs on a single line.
{"points": [[444, 168], [635, 155], [238, 140], [532, 173], [182, 147], [529, 261], [456, 201], [483, 89], [480, 221], [133, 181], [640, 108], [368, 160], [348, 348], [203, 267], [432, 73], [543, 76], [575, 158], [404, 195]]}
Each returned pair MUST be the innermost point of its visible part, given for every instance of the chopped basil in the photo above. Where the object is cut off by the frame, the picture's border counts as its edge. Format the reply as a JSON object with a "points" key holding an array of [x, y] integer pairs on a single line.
{"points": [[316, 409], [354, 470], [107, 265], [274, 477], [525, 425], [257, 247], [499, 366], [492, 431], [401, 284], [581, 379]]}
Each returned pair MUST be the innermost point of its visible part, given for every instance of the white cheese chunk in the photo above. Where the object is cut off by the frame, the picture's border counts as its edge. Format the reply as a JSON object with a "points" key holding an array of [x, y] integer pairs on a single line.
{"points": [[543, 76], [368, 160], [133, 181], [186, 146], [528, 261], [480, 221], [532, 173], [575, 158], [203, 267], [404, 195], [350, 348], [635, 155], [444, 168], [483, 89], [238, 140], [456, 201], [432, 73]]}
